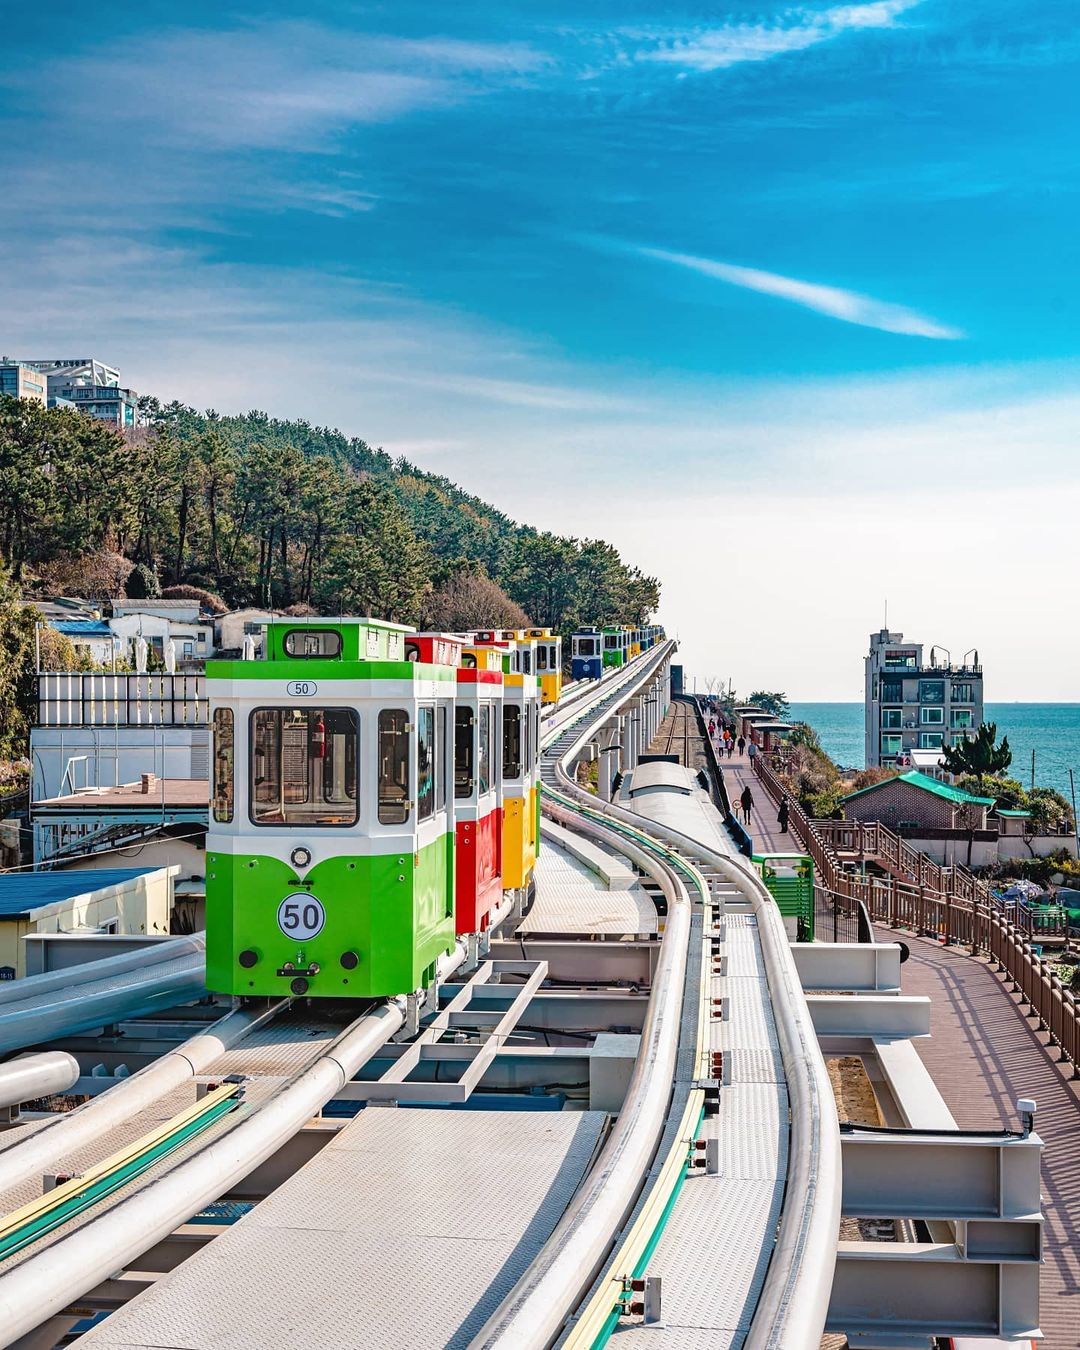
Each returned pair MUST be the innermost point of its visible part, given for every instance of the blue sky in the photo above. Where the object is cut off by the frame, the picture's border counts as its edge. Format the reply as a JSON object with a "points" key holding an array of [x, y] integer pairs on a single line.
{"points": [[780, 298]]}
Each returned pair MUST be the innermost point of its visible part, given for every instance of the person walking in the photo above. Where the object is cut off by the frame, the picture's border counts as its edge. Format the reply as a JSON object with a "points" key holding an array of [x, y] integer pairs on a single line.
{"points": [[782, 816], [751, 751], [712, 729], [742, 744], [730, 748], [746, 801]]}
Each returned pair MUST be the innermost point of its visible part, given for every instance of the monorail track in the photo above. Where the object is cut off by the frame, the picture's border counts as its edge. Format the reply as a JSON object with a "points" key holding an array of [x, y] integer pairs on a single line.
{"points": [[573, 1289]]}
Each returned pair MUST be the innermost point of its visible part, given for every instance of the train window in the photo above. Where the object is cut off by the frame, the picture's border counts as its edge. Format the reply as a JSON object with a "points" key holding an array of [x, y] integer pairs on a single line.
{"points": [[611, 641], [526, 663], [441, 759], [511, 742], [541, 657], [393, 766], [304, 766], [463, 751], [309, 642], [586, 647], [425, 763], [223, 764], [483, 758]]}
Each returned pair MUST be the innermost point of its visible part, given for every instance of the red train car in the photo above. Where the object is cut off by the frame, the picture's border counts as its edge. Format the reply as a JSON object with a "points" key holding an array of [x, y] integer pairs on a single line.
{"points": [[478, 787]]}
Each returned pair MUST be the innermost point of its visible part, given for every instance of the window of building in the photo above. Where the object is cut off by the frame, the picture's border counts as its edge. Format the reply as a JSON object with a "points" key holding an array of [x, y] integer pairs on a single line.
{"points": [[930, 740], [892, 691], [463, 751], [512, 741], [425, 763], [304, 766], [483, 757], [931, 691], [440, 758], [892, 745], [891, 718], [962, 717], [307, 643], [900, 660], [393, 766], [223, 765], [932, 717], [963, 693]]}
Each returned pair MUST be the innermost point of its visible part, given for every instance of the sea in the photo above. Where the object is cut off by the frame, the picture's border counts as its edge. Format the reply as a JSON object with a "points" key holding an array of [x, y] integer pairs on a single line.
{"points": [[1051, 730]]}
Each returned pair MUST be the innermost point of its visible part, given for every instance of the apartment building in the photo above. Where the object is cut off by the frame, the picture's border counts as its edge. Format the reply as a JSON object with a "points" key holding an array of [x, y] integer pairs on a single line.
{"points": [[915, 707], [18, 380]]}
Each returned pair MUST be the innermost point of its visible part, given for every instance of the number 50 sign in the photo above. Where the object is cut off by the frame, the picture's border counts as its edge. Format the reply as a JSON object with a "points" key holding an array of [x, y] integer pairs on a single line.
{"points": [[301, 916]]}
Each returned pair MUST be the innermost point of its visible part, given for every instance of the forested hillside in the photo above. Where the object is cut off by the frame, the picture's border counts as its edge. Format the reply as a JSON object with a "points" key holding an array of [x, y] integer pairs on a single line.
{"points": [[260, 511]]}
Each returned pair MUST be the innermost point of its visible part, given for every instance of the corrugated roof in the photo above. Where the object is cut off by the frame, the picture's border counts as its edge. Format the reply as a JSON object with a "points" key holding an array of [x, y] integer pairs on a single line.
{"points": [[927, 784], [90, 628], [21, 892]]}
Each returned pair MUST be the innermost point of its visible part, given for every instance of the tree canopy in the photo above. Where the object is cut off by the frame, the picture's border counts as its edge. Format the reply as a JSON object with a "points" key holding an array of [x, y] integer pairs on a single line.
{"points": [[978, 755], [257, 510], [771, 702]]}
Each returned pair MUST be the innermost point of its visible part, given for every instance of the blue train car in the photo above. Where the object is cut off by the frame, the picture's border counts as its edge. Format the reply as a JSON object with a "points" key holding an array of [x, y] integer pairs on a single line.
{"points": [[587, 658]]}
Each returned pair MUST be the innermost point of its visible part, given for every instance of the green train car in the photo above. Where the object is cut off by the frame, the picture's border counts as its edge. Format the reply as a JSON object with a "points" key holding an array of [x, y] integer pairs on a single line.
{"points": [[330, 852]]}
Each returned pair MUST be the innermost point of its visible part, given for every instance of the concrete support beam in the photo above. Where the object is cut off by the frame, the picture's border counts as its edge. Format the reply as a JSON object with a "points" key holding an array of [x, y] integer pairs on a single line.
{"points": [[879, 1016], [891, 1295], [613, 959], [863, 967], [928, 1176]]}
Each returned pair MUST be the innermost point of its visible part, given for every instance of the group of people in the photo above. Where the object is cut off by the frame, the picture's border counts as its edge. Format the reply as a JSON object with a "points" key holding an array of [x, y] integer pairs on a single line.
{"points": [[726, 744]]}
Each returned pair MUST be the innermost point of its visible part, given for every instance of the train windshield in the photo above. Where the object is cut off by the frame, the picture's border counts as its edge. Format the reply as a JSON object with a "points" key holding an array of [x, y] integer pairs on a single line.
{"points": [[304, 766], [223, 764], [586, 646], [511, 742], [463, 752], [393, 766], [541, 657], [483, 758], [612, 641]]}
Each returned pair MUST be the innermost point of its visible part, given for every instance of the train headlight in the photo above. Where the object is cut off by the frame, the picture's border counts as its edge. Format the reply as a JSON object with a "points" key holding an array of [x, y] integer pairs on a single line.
{"points": [[300, 857]]}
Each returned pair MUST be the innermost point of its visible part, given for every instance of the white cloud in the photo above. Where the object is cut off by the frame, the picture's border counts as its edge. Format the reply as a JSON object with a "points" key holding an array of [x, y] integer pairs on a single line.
{"points": [[850, 306], [717, 48]]}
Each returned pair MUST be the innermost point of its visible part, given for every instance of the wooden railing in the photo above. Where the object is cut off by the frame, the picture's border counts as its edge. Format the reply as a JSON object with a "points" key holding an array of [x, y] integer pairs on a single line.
{"points": [[961, 912], [875, 842]]}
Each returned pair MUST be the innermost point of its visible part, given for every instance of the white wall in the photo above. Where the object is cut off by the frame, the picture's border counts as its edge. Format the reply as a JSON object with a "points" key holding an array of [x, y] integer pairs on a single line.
{"points": [[117, 755]]}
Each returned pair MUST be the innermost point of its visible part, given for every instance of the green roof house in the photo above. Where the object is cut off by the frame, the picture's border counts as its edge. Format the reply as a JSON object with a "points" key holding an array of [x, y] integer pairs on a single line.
{"points": [[914, 801]]}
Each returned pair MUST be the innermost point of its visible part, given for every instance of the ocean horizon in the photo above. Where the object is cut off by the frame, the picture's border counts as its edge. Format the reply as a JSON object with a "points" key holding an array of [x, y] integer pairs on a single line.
{"points": [[1051, 730]]}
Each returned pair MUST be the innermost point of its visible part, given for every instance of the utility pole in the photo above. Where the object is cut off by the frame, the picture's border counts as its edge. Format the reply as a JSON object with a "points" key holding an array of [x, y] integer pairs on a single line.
{"points": [[1032, 768], [1076, 824]]}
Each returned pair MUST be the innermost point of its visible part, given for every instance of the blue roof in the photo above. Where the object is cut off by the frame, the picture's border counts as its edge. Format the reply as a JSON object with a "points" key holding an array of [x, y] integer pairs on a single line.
{"points": [[21, 892], [83, 627]]}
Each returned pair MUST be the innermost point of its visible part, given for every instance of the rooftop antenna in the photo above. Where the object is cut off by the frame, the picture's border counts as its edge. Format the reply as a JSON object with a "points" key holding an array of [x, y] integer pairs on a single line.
{"points": [[886, 614]]}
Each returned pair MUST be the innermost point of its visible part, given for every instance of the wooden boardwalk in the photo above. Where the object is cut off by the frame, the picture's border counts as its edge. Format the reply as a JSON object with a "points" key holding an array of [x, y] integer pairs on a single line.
{"points": [[983, 1053]]}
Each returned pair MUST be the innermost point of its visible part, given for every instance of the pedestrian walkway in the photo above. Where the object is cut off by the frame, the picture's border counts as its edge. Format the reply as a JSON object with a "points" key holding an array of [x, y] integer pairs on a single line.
{"points": [[764, 828], [984, 1053]]}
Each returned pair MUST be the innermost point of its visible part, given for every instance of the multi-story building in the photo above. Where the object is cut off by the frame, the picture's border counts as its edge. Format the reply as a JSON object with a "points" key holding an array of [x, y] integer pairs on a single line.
{"points": [[914, 708], [90, 385], [20, 380]]}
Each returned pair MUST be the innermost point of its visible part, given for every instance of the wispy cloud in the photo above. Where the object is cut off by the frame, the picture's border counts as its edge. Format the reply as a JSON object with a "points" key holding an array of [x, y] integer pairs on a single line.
{"points": [[796, 29], [850, 306]]}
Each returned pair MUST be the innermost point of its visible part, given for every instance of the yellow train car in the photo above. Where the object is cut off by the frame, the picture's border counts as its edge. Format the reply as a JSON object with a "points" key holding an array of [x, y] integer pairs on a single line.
{"points": [[520, 757], [633, 643], [548, 651]]}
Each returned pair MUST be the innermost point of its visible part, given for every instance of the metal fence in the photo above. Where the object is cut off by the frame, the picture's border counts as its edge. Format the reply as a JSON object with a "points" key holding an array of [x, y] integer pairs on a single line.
{"points": [[79, 699]]}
